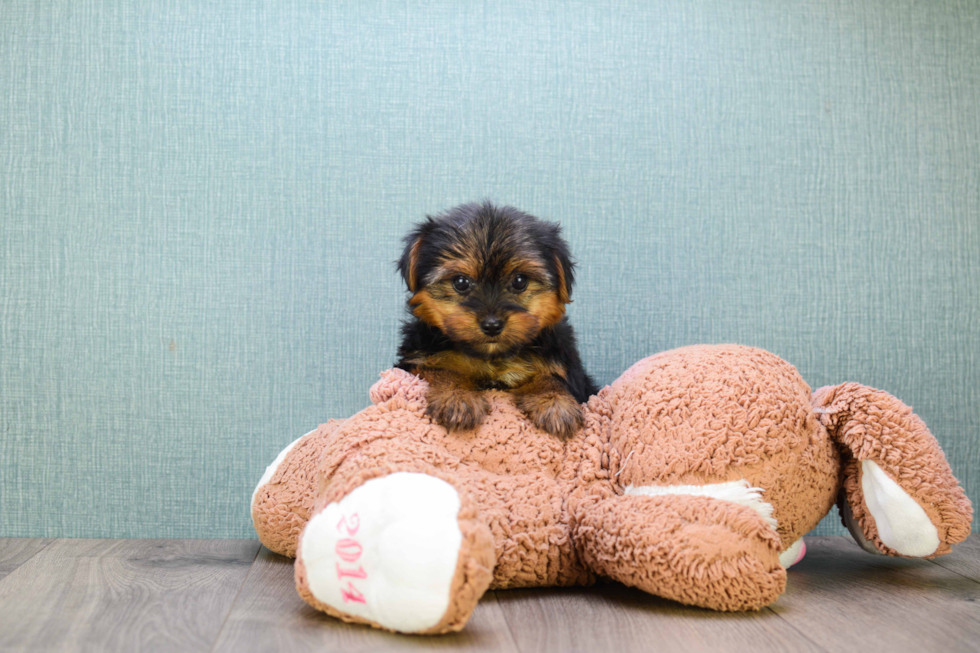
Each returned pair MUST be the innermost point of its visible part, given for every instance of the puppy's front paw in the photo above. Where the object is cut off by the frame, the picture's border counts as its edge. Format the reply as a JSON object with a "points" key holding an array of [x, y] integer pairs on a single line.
{"points": [[557, 413], [457, 409]]}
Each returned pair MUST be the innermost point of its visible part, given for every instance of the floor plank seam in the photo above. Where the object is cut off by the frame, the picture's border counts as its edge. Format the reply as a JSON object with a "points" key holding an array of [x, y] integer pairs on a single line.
{"points": [[955, 572], [231, 606], [49, 542], [797, 630]]}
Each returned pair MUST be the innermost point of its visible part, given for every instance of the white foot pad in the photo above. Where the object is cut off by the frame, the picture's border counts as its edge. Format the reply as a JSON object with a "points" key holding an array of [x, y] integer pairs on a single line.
{"points": [[902, 523], [387, 552], [793, 554]]}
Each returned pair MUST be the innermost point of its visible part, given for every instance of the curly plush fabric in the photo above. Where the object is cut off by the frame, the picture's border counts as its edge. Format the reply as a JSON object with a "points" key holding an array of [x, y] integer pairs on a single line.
{"points": [[283, 501], [694, 472]]}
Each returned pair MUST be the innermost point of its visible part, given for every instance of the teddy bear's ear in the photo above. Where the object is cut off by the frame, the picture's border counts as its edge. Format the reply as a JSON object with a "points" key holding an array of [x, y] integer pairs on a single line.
{"points": [[397, 382]]}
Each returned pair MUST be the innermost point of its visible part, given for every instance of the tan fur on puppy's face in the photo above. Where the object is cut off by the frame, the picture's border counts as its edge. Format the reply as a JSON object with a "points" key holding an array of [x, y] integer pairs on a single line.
{"points": [[537, 307]]}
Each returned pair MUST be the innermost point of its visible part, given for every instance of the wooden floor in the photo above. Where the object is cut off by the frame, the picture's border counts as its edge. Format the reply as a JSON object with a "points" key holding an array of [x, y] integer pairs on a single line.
{"points": [[233, 595]]}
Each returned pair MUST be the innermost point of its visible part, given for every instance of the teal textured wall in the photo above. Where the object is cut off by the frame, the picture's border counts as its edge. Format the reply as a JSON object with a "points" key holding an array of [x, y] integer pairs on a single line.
{"points": [[200, 204]]}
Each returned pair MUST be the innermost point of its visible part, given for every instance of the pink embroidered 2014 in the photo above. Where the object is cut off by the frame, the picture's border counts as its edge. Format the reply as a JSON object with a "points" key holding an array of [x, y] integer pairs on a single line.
{"points": [[349, 550]]}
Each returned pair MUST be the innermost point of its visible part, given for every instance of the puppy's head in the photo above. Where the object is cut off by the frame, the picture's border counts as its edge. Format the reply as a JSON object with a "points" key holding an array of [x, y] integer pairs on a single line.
{"points": [[490, 278]]}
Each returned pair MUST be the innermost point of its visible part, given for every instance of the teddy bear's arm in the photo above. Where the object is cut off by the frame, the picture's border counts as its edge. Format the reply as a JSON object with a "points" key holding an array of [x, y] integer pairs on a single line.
{"points": [[694, 549]]}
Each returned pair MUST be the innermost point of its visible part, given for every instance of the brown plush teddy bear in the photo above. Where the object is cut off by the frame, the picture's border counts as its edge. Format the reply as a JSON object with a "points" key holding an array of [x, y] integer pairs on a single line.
{"points": [[695, 477]]}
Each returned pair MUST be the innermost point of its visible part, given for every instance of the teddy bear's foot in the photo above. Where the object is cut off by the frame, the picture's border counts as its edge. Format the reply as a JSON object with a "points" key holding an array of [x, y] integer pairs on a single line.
{"points": [[902, 524], [694, 549], [900, 496], [403, 552]]}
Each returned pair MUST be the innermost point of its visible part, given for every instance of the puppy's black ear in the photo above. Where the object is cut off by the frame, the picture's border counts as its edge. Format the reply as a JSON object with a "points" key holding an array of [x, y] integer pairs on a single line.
{"points": [[564, 267], [408, 264]]}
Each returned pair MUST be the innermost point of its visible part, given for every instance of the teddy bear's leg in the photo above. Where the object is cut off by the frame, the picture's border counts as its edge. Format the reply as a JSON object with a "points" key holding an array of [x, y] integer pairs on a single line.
{"points": [[901, 495], [403, 551], [694, 549], [283, 499]]}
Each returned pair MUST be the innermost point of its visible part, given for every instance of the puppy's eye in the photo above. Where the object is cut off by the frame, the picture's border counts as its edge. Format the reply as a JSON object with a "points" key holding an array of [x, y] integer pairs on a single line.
{"points": [[461, 283], [519, 283]]}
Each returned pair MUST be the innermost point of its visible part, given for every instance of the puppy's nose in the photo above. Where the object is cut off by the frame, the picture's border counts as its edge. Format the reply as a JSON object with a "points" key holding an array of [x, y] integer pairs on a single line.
{"points": [[492, 325]]}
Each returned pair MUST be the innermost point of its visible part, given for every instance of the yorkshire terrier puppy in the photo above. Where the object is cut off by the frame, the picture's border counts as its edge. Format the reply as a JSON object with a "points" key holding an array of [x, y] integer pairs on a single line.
{"points": [[489, 287]]}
